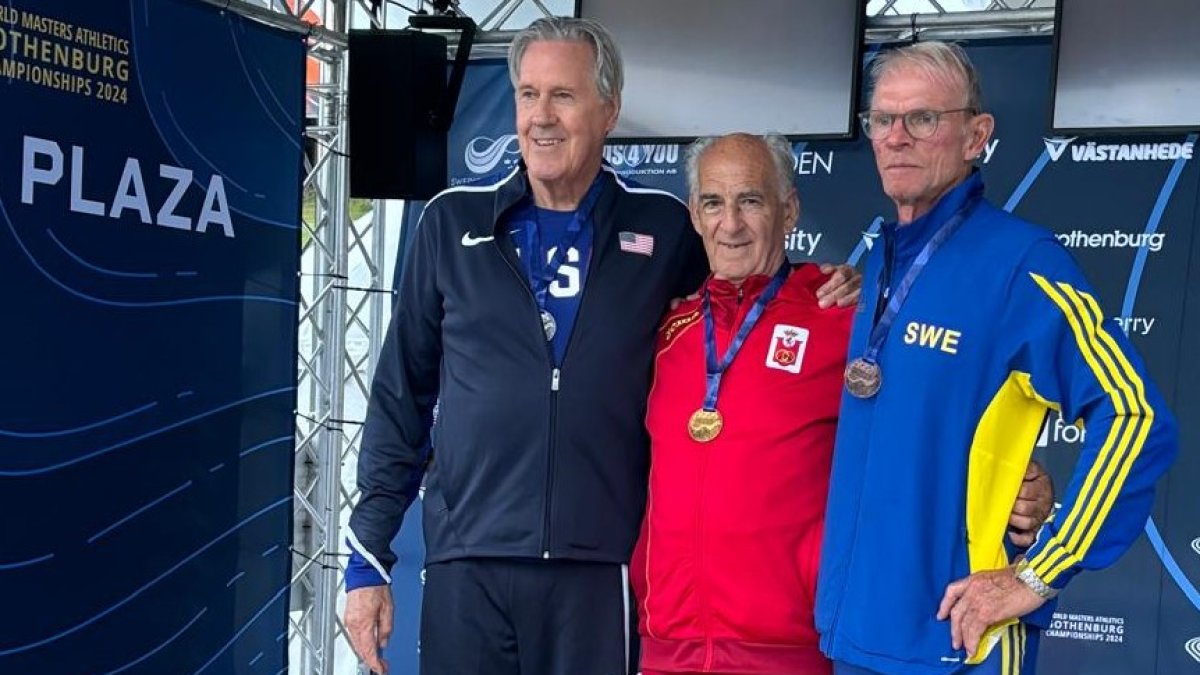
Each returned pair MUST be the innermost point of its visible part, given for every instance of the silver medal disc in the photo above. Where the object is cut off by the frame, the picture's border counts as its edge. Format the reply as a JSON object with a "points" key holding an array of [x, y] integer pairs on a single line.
{"points": [[549, 325]]}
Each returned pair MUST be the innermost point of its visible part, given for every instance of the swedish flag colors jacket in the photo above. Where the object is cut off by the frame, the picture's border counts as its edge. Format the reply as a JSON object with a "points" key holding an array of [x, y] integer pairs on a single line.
{"points": [[998, 329]]}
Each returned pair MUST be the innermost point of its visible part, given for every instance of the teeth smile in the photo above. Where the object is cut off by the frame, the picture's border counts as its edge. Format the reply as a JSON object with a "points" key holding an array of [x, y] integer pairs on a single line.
{"points": [[546, 143]]}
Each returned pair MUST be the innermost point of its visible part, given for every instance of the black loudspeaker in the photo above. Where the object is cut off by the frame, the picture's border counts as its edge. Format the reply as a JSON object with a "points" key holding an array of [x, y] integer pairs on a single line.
{"points": [[396, 83]]}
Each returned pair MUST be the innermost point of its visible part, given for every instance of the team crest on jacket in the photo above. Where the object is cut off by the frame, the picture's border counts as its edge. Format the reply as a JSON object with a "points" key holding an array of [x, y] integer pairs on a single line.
{"points": [[786, 351]]}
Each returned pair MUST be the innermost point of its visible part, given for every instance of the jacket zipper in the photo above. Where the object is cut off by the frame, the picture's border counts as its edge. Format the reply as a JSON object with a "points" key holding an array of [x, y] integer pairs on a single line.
{"points": [[708, 639], [702, 576], [555, 385], [555, 379], [880, 299]]}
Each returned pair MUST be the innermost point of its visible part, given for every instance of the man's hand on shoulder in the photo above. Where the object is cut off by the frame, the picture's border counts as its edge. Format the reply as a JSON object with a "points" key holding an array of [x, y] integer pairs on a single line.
{"points": [[676, 302], [368, 620], [842, 289]]}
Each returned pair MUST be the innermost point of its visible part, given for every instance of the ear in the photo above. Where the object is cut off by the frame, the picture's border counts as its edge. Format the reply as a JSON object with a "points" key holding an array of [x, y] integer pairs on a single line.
{"points": [[791, 211], [694, 211], [614, 110], [979, 132]]}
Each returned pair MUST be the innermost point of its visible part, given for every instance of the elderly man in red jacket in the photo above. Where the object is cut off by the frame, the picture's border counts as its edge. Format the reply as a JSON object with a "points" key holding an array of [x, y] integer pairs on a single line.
{"points": [[742, 415]]}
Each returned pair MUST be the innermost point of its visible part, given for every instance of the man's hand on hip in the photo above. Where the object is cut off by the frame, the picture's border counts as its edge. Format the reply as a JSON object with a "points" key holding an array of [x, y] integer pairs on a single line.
{"points": [[368, 620], [842, 289], [1033, 506], [982, 600]]}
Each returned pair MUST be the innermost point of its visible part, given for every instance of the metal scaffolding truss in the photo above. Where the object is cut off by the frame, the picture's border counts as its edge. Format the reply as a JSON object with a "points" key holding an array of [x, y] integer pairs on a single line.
{"points": [[347, 257]]}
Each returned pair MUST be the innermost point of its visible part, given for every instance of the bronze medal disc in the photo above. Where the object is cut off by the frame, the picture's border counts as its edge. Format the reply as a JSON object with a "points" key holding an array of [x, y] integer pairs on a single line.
{"points": [[863, 378]]}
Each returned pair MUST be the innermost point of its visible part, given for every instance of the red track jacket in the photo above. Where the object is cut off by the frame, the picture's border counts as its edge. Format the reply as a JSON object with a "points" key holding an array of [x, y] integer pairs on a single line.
{"points": [[725, 569]]}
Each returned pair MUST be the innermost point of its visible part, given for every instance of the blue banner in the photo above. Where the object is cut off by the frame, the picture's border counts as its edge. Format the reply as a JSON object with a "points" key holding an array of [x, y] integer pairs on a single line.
{"points": [[1125, 206], [150, 170]]}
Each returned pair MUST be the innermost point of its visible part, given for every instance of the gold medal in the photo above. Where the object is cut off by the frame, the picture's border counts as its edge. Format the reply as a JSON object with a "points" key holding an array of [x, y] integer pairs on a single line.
{"points": [[863, 378], [704, 425]]}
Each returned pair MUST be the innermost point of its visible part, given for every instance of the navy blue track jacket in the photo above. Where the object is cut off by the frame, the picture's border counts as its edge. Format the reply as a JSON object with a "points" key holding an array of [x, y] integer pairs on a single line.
{"points": [[530, 460]]}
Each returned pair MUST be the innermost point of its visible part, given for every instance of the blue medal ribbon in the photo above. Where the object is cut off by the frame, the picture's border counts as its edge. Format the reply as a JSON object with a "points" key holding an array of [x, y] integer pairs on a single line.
{"points": [[714, 370], [541, 276], [883, 322]]}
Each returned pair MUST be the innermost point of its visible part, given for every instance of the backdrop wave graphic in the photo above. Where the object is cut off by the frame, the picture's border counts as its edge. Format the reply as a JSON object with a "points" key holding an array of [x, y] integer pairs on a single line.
{"points": [[85, 456], [89, 426], [4, 651], [484, 154], [128, 303], [1192, 647], [147, 449], [149, 47]]}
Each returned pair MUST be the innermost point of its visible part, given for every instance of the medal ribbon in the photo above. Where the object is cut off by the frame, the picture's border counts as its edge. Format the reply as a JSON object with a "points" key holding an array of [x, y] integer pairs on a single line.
{"points": [[714, 370], [883, 324], [541, 277]]}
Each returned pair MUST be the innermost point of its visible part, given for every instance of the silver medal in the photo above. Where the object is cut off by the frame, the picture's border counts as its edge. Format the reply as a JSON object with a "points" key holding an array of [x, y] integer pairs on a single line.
{"points": [[549, 325]]}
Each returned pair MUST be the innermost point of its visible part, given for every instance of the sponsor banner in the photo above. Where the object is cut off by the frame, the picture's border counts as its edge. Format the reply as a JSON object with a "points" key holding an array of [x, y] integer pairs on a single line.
{"points": [[1093, 151], [1087, 628], [1057, 431], [149, 238], [812, 162], [1151, 241]]}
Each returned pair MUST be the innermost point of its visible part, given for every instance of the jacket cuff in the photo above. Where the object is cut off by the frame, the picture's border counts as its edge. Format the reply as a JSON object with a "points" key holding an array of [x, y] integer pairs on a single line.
{"points": [[360, 573], [1053, 564]]}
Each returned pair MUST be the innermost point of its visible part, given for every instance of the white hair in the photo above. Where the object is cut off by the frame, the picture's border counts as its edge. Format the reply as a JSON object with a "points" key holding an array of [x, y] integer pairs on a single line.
{"points": [[776, 145], [609, 72], [943, 61]]}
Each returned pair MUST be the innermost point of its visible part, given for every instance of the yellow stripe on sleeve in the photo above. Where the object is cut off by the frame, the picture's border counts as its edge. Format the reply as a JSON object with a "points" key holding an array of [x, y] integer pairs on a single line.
{"points": [[1133, 440], [1122, 441]]}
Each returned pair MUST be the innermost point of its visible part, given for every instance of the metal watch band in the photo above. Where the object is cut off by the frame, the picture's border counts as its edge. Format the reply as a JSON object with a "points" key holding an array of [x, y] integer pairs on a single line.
{"points": [[1030, 578]]}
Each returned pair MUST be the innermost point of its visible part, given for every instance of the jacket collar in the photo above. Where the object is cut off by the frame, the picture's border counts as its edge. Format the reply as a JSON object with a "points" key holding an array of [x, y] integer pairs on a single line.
{"points": [[514, 190], [912, 237], [721, 289]]}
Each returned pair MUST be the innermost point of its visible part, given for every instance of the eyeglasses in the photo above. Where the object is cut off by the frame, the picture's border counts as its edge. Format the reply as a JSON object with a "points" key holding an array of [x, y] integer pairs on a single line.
{"points": [[919, 124]]}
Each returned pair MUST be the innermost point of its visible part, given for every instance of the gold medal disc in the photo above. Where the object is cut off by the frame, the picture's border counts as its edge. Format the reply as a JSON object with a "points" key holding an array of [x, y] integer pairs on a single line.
{"points": [[704, 425]]}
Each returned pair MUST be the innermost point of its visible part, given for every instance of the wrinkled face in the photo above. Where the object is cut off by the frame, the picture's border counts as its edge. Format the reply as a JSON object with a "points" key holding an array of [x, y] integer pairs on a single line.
{"points": [[917, 172], [561, 118], [739, 211]]}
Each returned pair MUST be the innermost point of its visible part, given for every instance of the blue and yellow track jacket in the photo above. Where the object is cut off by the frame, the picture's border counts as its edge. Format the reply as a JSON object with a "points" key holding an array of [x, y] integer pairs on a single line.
{"points": [[999, 328]]}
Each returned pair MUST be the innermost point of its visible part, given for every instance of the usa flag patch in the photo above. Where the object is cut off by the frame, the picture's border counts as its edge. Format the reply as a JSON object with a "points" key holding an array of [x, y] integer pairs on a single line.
{"points": [[635, 242]]}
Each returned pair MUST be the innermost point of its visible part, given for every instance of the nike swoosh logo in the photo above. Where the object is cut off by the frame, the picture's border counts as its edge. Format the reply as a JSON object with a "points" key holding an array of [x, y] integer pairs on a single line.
{"points": [[468, 240]]}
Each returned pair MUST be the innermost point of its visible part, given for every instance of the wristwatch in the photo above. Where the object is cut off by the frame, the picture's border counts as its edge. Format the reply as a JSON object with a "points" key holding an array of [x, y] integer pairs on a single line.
{"points": [[1027, 576]]}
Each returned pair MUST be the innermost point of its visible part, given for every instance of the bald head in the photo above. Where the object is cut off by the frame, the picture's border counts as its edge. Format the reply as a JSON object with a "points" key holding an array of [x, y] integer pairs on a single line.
{"points": [[742, 202], [778, 146]]}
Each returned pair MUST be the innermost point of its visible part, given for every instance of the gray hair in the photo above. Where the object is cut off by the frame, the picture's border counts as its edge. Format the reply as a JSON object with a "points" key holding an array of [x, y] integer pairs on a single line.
{"points": [[777, 146], [944, 61], [610, 74]]}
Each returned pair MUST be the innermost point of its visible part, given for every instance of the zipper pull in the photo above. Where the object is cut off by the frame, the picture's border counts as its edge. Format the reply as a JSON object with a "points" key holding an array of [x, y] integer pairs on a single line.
{"points": [[554, 377]]}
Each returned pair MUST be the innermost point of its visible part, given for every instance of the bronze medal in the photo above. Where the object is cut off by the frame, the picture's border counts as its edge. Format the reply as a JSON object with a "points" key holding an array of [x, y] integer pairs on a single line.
{"points": [[704, 425], [863, 378]]}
